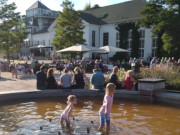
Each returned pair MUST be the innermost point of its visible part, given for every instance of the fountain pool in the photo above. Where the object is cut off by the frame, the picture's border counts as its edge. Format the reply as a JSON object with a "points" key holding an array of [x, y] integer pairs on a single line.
{"points": [[128, 117]]}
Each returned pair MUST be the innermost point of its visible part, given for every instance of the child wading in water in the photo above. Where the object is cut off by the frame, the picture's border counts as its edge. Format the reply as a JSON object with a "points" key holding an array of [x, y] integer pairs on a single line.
{"points": [[105, 109], [71, 100]]}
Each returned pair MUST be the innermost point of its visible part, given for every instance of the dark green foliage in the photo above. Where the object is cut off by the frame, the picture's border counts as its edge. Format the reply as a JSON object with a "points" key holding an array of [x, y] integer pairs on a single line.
{"points": [[69, 27], [124, 28], [88, 6], [135, 42], [164, 17], [160, 52], [12, 29], [96, 6]]}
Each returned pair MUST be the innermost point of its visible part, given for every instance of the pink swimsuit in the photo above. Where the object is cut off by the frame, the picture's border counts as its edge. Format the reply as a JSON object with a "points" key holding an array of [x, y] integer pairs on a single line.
{"points": [[64, 114]]}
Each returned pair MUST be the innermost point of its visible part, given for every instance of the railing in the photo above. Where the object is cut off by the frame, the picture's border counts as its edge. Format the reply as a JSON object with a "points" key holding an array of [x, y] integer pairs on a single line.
{"points": [[44, 15]]}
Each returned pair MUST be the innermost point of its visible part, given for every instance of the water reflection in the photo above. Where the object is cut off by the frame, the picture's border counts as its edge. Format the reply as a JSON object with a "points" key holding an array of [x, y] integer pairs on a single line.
{"points": [[128, 117]]}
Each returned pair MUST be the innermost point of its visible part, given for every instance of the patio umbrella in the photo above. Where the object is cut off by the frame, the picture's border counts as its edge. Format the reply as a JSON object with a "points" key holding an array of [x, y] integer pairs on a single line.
{"points": [[80, 48], [108, 49], [41, 46]]}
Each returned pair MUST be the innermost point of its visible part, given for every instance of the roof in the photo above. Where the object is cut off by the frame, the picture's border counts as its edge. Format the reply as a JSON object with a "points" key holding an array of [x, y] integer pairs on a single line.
{"points": [[38, 4], [121, 12]]}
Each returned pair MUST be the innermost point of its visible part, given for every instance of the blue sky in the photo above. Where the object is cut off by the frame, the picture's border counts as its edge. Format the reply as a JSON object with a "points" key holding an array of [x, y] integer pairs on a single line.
{"points": [[22, 5]]}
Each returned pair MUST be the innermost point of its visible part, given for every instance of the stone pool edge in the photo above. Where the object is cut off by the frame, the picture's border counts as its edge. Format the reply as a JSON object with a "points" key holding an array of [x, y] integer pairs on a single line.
{"points": [[167, 97]]}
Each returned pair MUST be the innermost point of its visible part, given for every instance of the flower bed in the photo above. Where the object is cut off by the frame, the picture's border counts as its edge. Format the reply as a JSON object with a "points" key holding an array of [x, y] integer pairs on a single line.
{"points": [[172, 76]]}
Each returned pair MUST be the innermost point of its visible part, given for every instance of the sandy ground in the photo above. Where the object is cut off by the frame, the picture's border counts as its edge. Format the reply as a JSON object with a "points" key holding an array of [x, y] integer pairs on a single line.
{"points": [[7, 83]]}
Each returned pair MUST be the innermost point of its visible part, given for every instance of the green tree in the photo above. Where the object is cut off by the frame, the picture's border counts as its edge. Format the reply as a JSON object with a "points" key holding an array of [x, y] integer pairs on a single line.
{"points": [[96, 6], [87, 6], [12, 30], [164, 17], [69, 27], [135, 41]]}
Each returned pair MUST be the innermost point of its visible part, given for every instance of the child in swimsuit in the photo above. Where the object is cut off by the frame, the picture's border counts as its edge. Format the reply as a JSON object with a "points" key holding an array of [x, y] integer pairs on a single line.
{"points": [[71, 100], [105, 109]]}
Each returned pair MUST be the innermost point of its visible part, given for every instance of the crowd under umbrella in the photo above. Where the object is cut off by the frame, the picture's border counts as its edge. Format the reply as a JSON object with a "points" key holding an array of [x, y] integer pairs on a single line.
{"points": [[108, 49], [79, 48], [42, 47]]}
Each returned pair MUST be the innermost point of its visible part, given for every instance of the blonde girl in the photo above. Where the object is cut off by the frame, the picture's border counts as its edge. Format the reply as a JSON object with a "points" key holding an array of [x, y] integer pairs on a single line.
{"points": [[129, 80], [105, 109], [71, 100]]}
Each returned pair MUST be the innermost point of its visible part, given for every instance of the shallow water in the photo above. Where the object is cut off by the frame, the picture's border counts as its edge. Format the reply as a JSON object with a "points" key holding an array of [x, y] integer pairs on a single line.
{"points": [[128, 117]]}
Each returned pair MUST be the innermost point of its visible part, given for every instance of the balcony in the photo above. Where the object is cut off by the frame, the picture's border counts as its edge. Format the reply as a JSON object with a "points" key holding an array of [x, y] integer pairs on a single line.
{"points": [[43, 15]]}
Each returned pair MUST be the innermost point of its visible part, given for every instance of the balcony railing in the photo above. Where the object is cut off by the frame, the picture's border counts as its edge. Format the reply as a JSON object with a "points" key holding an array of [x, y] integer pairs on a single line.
{"points": [[44, 15]]}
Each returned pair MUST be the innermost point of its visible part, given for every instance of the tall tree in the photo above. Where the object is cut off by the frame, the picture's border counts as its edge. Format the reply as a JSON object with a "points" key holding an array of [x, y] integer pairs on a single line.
{"points": [[164, 17], [69, 27], [87, 6], [12, 30], [96, 6]]}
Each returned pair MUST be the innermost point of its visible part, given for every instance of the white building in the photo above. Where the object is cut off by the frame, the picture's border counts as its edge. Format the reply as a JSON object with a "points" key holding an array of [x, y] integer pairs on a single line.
{"points": [[99, 26]]}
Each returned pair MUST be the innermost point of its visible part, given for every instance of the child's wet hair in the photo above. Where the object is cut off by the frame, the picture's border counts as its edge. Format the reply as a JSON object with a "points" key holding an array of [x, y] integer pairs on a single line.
{"points": [[110, 87], [70, 98]]}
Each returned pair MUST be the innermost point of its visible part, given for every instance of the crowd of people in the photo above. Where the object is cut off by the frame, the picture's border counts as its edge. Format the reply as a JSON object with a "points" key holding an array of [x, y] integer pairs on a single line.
{"points": [[72, 74], [164, 62], [69, 79], [20, 69], [76, 79]]}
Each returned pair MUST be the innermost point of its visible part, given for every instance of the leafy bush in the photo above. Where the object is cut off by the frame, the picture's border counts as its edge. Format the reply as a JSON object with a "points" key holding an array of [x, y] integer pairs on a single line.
{"points": [[121, 74], [171, 76]]}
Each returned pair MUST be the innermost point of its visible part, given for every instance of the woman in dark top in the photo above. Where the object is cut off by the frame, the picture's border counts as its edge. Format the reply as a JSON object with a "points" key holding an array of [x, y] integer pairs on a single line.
{"points": [[51, 81], [79, 78]]}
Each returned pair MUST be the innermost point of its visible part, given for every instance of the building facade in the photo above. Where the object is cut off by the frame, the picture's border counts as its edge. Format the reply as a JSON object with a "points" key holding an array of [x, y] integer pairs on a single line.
{"points": [[100, 26]]}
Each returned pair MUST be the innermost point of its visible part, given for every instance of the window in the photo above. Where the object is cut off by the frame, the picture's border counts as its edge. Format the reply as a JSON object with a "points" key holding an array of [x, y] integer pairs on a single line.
{"points": [[142, 33], [141, 48], [142, 40], [117, 39], [154, 42], [105, 39], [43, 42], [93, 38], [49, 42], [141, 43], [141, 53], [154, 46]]}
